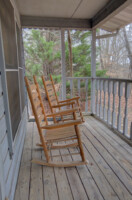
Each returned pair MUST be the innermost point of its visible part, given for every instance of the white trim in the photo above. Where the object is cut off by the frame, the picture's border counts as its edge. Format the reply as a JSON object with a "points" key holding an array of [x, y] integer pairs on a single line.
{"points": [[11, 70], [93, 70], [18, 67], [63, 66]]}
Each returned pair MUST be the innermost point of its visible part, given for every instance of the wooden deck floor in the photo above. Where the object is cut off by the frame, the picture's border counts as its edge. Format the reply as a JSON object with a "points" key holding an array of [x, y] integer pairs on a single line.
{"points": [[108, 176]]}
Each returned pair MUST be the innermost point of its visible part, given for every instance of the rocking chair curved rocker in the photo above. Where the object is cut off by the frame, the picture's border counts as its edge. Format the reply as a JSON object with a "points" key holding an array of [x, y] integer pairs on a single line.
{"points": [[54, 133]]}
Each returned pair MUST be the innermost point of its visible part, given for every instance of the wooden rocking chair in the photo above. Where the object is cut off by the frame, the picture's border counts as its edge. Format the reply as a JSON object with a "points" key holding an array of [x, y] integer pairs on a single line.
{"points": [[54, 133], [53, 98]]}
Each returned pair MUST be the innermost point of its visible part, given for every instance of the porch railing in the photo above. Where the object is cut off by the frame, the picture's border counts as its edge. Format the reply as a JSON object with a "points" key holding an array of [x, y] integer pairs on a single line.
{"points": [[113, 100], [80, 86]]}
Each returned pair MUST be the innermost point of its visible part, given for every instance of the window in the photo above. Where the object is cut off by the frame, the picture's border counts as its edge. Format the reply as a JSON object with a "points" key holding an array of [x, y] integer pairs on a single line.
{"points": [[11, 62]]}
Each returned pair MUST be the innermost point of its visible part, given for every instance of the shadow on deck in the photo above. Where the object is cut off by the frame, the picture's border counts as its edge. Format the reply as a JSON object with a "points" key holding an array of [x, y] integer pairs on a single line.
{"points": [[108, 176]]}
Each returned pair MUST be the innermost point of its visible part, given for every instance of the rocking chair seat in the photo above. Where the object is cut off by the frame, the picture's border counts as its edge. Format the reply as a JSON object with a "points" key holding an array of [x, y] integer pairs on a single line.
{"points": [[60, 133]]}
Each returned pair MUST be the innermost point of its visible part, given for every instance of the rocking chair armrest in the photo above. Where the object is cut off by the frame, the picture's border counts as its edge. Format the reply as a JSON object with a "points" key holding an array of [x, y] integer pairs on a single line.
{"points": [[64, 104], [63, 112], [61, 125], [72, 99]]}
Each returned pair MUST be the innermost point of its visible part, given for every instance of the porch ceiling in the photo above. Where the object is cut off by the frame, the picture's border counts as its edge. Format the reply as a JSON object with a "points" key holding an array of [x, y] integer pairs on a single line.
{"points": [[107, 14], [82, 9]]}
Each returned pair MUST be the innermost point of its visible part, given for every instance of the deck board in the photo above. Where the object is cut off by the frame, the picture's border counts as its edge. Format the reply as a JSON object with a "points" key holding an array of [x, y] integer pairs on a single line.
{"points": [[108, 175]]}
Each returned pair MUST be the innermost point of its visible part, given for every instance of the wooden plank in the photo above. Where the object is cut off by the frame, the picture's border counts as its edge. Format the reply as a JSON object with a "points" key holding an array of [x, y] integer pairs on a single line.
{"points": [[111, 140], [64, 190], [36, 179], [111, 177], [126, 165], [76, 185], [103, 185], [22, 189], [120, 142], [87, 179], [50, 188], [119, 171]]}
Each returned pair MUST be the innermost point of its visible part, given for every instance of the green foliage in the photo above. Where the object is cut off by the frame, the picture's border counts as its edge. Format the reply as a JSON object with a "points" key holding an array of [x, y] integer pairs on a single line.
{"points": [[68, 86], [57, 78], [81, 50], [40, 55]]}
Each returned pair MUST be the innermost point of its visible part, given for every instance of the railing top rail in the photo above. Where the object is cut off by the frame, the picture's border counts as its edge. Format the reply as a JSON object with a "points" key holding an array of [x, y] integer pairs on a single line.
{"points": [[71, 78], [114, 79], [100, 78]]}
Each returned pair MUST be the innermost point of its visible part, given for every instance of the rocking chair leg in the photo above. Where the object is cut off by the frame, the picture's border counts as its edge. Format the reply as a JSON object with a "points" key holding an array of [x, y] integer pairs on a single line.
{"points": [[80, 143]]}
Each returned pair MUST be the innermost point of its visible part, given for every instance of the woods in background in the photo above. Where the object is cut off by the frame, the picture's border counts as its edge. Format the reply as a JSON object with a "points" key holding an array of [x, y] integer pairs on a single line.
{"points": [[43, 53]]}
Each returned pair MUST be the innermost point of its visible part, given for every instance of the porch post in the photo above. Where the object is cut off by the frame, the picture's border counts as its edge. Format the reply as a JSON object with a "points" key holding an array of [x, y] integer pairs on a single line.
{"points": [[93, 70], [63, 66]]}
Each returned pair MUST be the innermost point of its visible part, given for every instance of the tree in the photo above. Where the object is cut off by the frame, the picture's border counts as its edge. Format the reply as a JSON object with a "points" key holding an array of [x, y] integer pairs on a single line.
{"points": [[40, 50]]}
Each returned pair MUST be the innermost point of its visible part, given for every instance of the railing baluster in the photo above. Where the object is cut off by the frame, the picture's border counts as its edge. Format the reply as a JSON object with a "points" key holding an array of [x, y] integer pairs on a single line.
{"points": [[109, 93], [78, 84], [114, 112], [97, 99], [131, 131], [86, 102], [71, 88], [104, 109], [125, 122], [120, 93], [100, 107]]}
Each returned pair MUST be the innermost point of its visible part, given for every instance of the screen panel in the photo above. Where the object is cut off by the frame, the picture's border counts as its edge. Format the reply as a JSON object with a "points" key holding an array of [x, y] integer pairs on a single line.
{"points": [[19, 47], [22, 88], [8, 34], [14, 99]]}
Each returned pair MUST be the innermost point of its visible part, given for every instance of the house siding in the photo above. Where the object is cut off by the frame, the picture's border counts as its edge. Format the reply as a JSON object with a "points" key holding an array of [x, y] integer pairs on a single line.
{"points": [[10, 166]]}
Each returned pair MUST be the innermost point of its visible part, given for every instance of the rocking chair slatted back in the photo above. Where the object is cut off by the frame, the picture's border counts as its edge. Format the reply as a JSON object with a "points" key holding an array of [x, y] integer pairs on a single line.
{"points": [[75, 99], [50, 93], [40, 119]]}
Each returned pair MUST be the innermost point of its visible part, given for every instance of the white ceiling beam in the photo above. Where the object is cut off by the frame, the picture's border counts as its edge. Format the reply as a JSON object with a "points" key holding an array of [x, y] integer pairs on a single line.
{"points": [[110, 9], [51, 22]]}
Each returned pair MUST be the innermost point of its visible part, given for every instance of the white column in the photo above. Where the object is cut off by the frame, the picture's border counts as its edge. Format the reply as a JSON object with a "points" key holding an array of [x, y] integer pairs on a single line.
{"points": [[93, 70], [63, 66]]}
